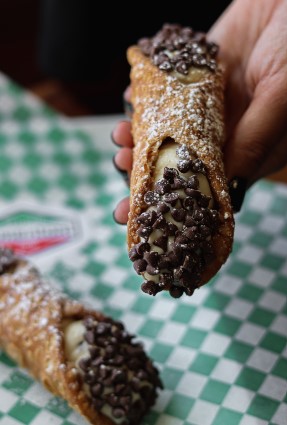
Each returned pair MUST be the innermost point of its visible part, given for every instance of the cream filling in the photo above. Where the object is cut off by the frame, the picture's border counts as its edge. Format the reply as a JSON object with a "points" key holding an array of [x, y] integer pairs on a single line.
{"points": [[167, 157], [77, 348]]}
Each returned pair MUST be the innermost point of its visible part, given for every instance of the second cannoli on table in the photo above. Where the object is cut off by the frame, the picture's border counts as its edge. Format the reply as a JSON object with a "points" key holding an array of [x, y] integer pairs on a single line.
{"points": [[77, 353]]}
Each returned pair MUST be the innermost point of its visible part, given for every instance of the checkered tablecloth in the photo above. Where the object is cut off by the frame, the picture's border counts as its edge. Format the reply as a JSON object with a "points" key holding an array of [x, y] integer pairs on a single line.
{"points": [[222, 353]]}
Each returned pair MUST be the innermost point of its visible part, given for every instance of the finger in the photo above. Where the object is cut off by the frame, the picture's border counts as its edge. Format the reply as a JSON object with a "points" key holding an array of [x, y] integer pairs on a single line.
{"points": [[128, 94], [124, 159], [121, 134], [121, 212], [260, 128]]}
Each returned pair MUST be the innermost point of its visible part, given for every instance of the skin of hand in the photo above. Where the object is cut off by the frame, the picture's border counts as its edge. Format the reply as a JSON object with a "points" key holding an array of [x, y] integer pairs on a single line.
{"points": [[252, 36]]}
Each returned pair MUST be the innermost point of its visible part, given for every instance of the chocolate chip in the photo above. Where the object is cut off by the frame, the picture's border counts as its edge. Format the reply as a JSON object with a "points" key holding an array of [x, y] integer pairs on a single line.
{"points": [[133, 254], [160, 58], [140, 266], [97, 390], [178, 214], [160, 223], [90, 337], [144, 231], [150, 288], [170, 229], [161, 242], [170, 174], [84, 364], [182, 67], [152, 258], [181, 239], [146, 218], [176, 291], [171, 198], [174, 259], [164, 262], [189, 291], [197, 166], [162, 186], [179, 183], [189, 221], [204, 231], [184, 165], [191, 232], [165, 280], [188, 263], [203, 201], [151, 198], [189, 202], [183, 152], [162, 207], [152, 270], [193, 182], [145, 45], [142, 247]]}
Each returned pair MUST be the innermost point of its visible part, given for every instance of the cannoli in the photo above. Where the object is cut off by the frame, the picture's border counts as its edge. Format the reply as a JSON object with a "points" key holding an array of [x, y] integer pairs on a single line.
{"points": [[77, 353], [180, 226]]}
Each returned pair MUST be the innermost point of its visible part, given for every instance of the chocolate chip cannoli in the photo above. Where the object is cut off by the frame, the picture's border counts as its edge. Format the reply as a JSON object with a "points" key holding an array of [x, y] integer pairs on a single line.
{"points": [[77, 353], [180, 227]]}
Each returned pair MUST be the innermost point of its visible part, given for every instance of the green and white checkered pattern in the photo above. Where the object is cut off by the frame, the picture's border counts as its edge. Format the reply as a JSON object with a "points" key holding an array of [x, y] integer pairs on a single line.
{"points": [[222, 353]]}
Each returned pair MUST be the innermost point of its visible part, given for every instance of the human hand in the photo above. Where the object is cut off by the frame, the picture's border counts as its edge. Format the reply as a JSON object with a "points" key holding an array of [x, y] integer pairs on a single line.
{"points": [[252, 38]]}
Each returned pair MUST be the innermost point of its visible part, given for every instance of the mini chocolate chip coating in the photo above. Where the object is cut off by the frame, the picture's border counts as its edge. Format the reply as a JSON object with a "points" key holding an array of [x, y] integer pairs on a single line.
{"points": [[184, 226], [178, 48], [7, 259], [118, 371]]}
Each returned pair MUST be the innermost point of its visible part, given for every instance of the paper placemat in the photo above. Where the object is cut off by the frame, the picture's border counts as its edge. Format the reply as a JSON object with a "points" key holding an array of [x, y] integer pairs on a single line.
{"points": [[222, 353]]}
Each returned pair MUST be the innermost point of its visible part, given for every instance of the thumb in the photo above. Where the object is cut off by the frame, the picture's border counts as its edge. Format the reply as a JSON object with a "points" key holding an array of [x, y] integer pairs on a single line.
{"points": [[259, 130]]}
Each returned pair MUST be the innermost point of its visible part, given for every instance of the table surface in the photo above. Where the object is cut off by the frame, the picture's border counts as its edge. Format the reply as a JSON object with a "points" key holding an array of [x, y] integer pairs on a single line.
{"points": [[222, 353]]}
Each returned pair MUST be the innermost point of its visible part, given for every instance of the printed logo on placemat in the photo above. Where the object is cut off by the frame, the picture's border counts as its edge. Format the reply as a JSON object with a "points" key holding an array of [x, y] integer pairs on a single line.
{"points": [[30, 232]]}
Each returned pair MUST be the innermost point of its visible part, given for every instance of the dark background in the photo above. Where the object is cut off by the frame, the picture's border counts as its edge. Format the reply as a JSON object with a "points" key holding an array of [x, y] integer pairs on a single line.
{"points": [[72, 52]]}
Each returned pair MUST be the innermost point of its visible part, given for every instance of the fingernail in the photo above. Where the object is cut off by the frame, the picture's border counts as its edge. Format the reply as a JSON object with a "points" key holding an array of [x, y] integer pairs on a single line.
{"points": [[123, 173], [237, 189], [114, 217], [128, 107], [113, 140]]}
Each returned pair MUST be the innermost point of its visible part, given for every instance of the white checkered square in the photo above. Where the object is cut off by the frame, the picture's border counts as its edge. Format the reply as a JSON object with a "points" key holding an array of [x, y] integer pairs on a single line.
{"points": [[133, 321], [273, 301], [250, 254], [37, 395], [228, 284], [250, 334], [274, 387], [113, 275], [215, 344], [4, 372], [242, 232], [251, 420], [279, 247], [45, 417], [271, 224], [7, 400], [181, 358], [162, 309], [281, 414], [240, 309], [122, 299], [226, 371], [262, 277], [191, 384], [238, 399], [203, 413], [260, 200], [262, 360], [205, 319], [280, 325], [171, 333], [7, 420]]}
